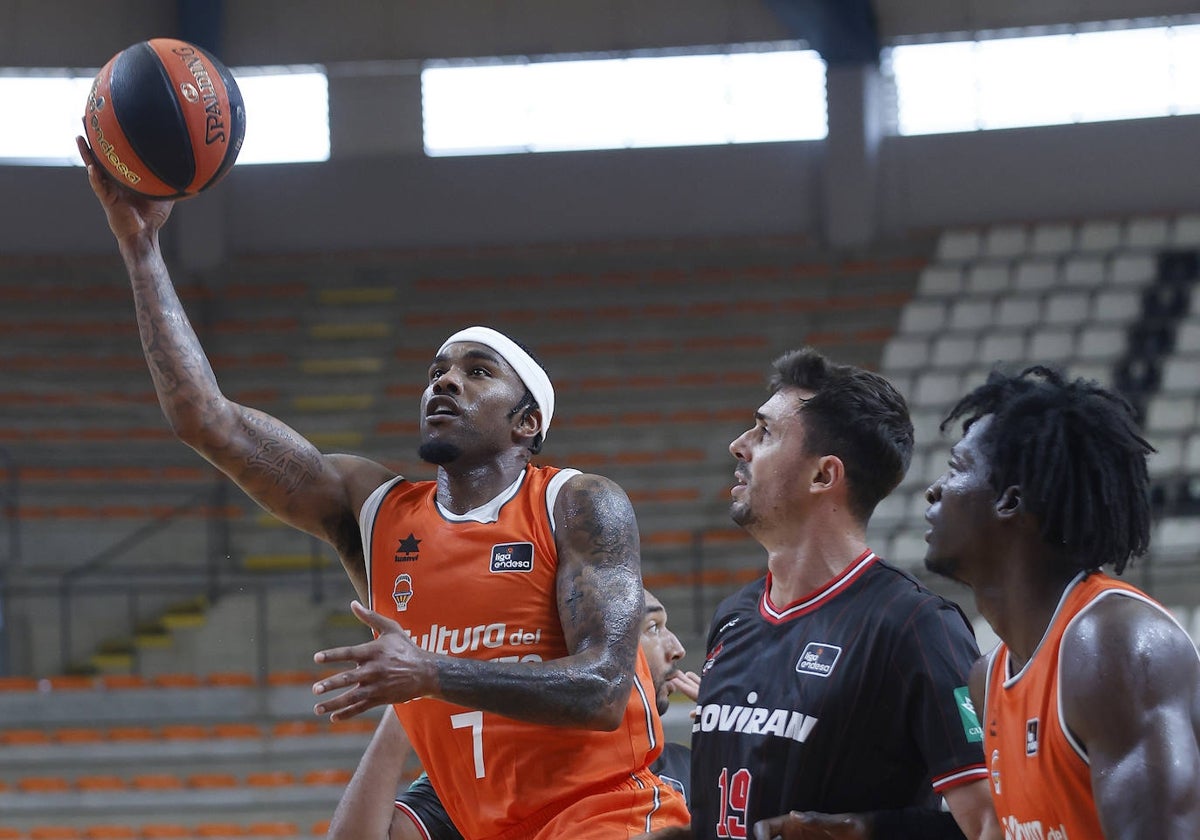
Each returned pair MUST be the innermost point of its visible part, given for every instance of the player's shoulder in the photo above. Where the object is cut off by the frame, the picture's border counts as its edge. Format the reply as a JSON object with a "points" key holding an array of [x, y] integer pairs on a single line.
{"points": [[904, 602], [1125, 621], [737, 608]]}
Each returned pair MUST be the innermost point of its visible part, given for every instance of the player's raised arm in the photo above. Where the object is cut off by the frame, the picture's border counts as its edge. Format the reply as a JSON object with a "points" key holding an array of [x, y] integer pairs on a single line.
{"points": [[273, 464]]}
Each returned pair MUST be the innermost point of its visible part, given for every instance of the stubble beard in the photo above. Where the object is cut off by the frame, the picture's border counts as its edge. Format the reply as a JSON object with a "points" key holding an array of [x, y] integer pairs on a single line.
{"points": [[439, 452]]}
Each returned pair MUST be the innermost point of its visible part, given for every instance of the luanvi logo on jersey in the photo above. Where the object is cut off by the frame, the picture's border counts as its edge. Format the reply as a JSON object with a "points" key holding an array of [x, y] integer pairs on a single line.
{"points": [[966, 712], [1031, 737], [408, 549], [512, 557], [818, 659]]}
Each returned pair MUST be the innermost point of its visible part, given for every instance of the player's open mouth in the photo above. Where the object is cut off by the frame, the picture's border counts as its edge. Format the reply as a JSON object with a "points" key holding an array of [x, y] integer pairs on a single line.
{"points": [[441, 406]]}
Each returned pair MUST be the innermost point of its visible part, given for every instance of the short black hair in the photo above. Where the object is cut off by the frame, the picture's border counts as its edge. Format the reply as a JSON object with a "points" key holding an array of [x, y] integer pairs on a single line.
{"points": [[1075, 451], [854, 414]]}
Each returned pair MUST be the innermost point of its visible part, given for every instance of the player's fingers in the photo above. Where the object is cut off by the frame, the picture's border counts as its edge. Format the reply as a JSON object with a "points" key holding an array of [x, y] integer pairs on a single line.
{"points": [[355, 653], [85, 151], [373, 619], [339, 705]]}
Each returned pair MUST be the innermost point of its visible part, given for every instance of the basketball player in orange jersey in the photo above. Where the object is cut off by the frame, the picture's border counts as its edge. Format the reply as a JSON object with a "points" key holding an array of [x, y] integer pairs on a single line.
{"points": [[518, 588], [1091, 703]]}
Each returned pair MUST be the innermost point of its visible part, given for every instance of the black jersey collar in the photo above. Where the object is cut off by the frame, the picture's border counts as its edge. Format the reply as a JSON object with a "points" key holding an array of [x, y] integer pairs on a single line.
{"points": [[817, 597]]}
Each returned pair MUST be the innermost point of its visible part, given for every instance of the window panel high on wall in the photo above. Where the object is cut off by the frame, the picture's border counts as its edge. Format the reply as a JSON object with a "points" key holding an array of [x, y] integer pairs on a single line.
{"points": [[1046, 79]]}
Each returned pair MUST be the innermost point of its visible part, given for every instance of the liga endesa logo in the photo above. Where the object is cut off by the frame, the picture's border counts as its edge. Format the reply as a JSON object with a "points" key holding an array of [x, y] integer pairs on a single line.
{"points": [[512, 557]]}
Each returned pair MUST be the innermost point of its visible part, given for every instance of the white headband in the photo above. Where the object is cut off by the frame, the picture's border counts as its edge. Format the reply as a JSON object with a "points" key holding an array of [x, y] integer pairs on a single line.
{"points": [[531, 372]]}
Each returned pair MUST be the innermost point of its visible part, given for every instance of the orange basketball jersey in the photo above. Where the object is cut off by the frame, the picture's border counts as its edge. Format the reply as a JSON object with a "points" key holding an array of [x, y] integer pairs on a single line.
{"points": [[483, 586], [1040, 776]]}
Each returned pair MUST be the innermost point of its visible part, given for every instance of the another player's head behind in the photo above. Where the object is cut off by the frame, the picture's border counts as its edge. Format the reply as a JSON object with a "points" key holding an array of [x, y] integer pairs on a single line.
{"points": [[662, 648], [486, 394], [819, 409], [1063, 459]]}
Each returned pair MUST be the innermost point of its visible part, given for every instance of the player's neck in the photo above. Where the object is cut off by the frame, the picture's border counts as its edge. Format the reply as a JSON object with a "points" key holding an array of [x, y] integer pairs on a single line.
{"points": [[461, 488], [1020, 603], [809, 560]]}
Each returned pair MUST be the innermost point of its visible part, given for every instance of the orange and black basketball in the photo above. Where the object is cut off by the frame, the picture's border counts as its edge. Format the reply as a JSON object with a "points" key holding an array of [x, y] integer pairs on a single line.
{"points": [[165, 118]]}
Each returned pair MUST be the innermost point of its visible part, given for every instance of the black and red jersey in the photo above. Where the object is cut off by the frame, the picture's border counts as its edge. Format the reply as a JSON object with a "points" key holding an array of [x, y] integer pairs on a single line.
{"points": [[852, 699]]}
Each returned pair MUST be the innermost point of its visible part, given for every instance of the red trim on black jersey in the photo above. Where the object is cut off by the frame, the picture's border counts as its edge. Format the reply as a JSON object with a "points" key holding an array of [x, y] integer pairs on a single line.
{"points": [[948, 781], [817, 597], [412, 815]]}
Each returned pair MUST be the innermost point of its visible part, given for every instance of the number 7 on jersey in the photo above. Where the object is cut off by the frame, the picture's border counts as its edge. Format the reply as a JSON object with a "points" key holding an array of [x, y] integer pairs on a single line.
{"points": [[474, 720]]}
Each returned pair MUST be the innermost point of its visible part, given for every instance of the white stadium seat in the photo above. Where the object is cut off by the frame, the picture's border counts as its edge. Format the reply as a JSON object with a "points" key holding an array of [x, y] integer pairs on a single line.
{"points": [[1099, 235], [1036, 275], [959, 245], [1132, 269], [940, 280], [1005, 241], [1147, 232], [988, 278], [1101, 342], [1052, 238], [1084, 272]]}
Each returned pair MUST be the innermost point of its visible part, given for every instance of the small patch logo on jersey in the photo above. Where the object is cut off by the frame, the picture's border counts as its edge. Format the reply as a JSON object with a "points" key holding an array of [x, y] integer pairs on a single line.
{"points": [[996, 771], [512, 557], [712, 658], [966, 711], [402, 591], [408, 549], [1031, 737], [818, 659]]}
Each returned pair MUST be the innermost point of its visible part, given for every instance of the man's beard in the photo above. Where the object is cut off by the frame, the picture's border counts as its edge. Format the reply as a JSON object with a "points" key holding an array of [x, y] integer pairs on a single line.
{"points": [[438, 452]]}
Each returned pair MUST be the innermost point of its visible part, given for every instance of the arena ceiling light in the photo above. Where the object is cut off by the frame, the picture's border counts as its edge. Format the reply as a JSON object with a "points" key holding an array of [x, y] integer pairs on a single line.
{"points": [[743, 94], [277, 131], [1046, 79]]}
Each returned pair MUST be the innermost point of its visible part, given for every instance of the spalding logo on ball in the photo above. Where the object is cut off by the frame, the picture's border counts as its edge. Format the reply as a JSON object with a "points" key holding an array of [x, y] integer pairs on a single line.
{"points": [[165, 118]]}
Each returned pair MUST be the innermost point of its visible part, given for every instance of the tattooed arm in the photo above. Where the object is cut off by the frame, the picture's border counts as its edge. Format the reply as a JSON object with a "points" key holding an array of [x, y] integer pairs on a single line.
{"points": [[276, 467], [600, 606]]}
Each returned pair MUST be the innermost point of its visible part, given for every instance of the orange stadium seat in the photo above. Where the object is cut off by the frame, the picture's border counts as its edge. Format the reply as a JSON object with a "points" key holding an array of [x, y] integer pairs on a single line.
{"points": [[100, 783], [272, 829], [156, 781], [295, 728], [333, 776], [131, 733], [230, 679], [122, 681], [24, 737], [165, 831], [236, 730], [55, 832], [184, 732], [273, 778], [79, 735], [110, 832], [7, 833], [43, 784], [18, 684], [211, 780], [218, 829], [176, 681]]}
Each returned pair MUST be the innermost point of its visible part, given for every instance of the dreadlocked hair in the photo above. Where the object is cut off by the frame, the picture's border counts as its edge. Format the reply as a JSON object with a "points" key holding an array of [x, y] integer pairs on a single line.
{"points": [[1076, 453]]}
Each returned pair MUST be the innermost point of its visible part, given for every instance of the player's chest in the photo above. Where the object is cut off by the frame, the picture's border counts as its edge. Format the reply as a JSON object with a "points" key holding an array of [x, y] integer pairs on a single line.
{"points": [[809, 667]]}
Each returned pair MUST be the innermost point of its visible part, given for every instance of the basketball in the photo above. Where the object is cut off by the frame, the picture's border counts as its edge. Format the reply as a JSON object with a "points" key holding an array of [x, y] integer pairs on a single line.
{"points": [[165, 118]]}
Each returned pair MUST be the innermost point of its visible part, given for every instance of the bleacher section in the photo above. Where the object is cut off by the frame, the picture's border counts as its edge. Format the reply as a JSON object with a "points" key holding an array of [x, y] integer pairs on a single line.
{"points": [[1109, 300]]}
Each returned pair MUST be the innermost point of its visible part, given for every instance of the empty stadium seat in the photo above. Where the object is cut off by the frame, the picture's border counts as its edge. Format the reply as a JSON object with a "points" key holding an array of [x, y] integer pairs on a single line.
{"points": [[988, 279], [1099, 235], [1132, 269], [1084, 271], [959, 245], [940, 281], [1186, 231], [1052, 238], [1005, 241], [1147, 232], [1036, 275]]}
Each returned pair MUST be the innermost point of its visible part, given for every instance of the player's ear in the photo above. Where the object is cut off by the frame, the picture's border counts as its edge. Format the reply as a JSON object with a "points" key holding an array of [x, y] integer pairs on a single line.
{"points": [[1009, 502], [830, 472], [529, 425]]}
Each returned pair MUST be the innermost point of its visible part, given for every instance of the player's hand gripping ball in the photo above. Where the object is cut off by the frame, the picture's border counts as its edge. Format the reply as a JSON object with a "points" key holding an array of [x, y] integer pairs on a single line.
{"points": [[165, 118]]}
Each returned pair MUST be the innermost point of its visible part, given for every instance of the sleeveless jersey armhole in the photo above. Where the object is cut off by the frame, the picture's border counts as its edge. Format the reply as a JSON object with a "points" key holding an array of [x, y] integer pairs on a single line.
{"points": [[552, 488], [366, 524]]}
